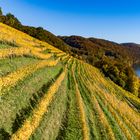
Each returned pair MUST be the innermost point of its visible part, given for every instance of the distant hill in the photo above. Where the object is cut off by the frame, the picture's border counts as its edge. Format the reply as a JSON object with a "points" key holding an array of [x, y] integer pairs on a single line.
{"points": [[131, 44], [134, 50], [96, 47]]}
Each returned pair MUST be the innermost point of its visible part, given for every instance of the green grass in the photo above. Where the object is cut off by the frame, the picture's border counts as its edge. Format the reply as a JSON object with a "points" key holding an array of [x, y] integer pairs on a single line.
{"points": [[19, 96], [10, 65], [62, 120], [7, 45], [71, 127], [86, 105], [53, 118]]}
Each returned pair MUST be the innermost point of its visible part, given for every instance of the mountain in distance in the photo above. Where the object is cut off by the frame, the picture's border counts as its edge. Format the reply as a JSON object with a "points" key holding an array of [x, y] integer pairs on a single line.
{"points": [[134, 50], [130, 44]]}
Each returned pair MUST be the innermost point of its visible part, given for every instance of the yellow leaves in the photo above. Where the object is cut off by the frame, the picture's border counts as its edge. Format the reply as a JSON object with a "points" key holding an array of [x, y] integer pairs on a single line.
{"points": [[40, 55], [82, 115], [22, 51], [23, 40], [124, 115], [61, 54], [13, 51], [31, 124]]}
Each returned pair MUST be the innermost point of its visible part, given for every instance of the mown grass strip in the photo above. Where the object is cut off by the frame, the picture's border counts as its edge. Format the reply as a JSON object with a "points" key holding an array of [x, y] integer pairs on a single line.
{"points": [[8, 66], [12, 78], [31, 124], [115, 127], [97, 130], [103, 120], [34, 100], [124, 108], [82, 110], [52, 120], [18, 97], [71, 126]]}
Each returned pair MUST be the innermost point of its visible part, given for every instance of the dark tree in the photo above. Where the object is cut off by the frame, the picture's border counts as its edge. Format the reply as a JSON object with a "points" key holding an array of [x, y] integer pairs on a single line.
{"points": [[12, 20], [1, 13], [4, 135]]}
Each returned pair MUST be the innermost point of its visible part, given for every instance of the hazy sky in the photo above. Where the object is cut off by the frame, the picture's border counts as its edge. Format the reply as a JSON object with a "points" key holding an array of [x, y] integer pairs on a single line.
{"points": [[116, 20]]}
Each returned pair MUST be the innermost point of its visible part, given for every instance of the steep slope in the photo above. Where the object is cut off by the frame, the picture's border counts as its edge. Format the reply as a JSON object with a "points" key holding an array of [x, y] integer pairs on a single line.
{"points": [[37, 32], [46, 94], [114, 60]]}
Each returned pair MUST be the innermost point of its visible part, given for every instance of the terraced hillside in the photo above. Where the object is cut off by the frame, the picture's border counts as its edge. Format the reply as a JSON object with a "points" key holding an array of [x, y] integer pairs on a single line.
{"points": [[46, 94]]}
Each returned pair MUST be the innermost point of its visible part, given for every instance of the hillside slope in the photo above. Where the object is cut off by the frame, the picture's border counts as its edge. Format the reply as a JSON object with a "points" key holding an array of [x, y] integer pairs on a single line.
{"points": [[37, 32], [113, 59], [46, 94]]}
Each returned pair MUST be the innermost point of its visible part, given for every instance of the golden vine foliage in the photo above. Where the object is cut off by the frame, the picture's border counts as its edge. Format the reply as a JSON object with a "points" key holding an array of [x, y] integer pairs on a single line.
{"points": [[13, 51], [23, 40]]}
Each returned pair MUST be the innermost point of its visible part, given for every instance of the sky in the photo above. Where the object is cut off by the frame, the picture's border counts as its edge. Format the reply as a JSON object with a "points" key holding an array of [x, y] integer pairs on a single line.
{"points": [[114, 20]]}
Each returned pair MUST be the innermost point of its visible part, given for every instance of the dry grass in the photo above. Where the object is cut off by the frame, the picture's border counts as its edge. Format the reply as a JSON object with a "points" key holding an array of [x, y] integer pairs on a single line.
{"points": [[23, 40]]}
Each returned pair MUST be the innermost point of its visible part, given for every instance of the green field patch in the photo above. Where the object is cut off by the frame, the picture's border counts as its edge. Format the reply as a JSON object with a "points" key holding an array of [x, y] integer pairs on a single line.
{"points": [[7, 45], [52, 119], [72, 127], [10, 65], [18, 97]]}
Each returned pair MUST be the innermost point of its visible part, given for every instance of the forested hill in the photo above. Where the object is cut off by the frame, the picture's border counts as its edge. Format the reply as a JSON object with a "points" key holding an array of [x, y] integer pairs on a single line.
{"points": [[134, 50], [96, 47]]}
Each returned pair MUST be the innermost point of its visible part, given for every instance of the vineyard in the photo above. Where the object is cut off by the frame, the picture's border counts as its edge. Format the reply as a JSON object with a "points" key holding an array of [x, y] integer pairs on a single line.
{"points": [[46, 94]]}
